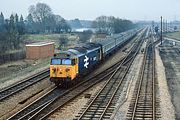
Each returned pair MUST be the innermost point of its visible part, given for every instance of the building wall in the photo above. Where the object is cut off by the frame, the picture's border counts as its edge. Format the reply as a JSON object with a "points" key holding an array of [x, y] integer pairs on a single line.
{"points": [[39, 52]]}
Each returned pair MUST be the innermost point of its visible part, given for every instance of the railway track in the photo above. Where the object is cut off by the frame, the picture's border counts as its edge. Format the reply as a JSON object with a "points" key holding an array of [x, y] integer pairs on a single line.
{"points": [[36, 110], [46, 102], [144, 103], [15, 88], [104, 103]]}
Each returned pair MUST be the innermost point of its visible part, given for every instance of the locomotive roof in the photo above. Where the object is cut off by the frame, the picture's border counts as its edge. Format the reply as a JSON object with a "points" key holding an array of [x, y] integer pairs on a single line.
{"points": [[79, 50], [64, 54], [84, 48]]}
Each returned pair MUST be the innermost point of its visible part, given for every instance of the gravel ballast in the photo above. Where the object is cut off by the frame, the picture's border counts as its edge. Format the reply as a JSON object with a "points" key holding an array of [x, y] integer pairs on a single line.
{"points": [[69, 111], [123, 104]]}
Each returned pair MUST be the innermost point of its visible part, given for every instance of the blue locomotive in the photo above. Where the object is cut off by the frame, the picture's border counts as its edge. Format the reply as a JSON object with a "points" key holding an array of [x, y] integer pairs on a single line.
{"points": [[68, 65]]}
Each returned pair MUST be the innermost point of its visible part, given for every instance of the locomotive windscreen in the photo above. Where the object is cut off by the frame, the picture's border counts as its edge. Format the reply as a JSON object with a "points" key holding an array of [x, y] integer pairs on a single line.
{"points": [[57, 61], [66, 61]]}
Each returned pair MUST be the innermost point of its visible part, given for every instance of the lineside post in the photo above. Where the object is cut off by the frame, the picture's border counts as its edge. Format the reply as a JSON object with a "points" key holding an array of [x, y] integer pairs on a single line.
{"points": [[161, 30]]}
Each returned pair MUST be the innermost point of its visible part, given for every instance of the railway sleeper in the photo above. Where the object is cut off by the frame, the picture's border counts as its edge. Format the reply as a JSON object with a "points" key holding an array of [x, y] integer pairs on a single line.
{"points": [[94, 112], [91, 116], [144, 106], [141, 105], [107, 117], [96, 107], [144, 115]]}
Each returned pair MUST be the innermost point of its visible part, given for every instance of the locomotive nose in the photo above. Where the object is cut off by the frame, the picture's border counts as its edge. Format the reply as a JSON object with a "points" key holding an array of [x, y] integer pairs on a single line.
{"points": [[67, 69], [54, 70]]}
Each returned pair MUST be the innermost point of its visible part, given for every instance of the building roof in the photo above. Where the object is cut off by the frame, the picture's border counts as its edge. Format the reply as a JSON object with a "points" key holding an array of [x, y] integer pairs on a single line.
{"points": [[40, 44]]}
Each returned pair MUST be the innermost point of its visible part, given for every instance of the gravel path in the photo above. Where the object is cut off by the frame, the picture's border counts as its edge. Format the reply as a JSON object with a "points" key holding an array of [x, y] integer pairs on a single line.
{"points": [[167, 109], [170, 57]]}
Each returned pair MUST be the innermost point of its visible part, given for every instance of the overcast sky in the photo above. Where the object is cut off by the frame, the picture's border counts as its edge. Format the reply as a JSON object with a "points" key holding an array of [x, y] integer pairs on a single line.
{"points": [[90, 9]]}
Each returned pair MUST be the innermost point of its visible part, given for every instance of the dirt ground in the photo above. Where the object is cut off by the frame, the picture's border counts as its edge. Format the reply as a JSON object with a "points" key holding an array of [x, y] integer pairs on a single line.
{"points": [[170, 56]]}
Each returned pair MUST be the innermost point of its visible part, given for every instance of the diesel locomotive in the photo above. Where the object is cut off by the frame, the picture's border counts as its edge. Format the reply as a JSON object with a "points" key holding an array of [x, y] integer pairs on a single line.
{"points": [[68, 65]]}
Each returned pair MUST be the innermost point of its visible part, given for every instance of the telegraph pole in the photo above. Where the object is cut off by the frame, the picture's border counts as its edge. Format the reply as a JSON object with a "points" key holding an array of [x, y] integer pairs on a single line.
{"points": [[161, 30], [166, 26]]}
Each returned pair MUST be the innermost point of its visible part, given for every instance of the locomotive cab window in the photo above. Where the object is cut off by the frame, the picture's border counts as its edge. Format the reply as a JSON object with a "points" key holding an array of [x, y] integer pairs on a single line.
{"points": [[55, 61], [66, 62]]}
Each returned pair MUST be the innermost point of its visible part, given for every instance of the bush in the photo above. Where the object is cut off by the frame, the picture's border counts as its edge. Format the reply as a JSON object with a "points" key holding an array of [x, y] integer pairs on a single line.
{"points": [[63, 40], [85, 36]]}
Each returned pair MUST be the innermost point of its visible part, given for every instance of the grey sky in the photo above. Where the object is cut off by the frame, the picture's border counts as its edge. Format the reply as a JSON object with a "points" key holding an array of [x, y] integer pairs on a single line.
{"points": [[90, 9]]}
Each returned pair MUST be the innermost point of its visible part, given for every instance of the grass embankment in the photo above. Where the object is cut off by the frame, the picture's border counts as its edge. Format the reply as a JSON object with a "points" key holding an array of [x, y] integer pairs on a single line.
{"points": [[21, 68], [174, 35]]}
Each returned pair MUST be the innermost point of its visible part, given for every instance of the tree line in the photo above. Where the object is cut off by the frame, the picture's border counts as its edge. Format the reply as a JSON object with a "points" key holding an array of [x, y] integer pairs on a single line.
{"points": [[110, 24], [10, 31], [40, 19]]}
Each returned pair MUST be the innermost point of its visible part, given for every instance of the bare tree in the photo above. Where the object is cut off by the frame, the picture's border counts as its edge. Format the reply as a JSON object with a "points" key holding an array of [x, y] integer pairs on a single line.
{"points": [[105, 24], [41, 12], [46, 21]]}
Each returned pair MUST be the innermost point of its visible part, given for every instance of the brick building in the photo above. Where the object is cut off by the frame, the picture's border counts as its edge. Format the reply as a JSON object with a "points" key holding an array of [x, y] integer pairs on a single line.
{"points": [[39, 50]]}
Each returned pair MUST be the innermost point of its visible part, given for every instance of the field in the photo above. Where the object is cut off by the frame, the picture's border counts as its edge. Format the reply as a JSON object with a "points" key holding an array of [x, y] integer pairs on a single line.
{"points": [[49, 37], [174, 35], [71, 39]]}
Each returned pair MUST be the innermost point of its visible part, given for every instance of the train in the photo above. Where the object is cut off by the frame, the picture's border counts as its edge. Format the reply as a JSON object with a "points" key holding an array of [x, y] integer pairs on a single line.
{"points": [[67, 66]]}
